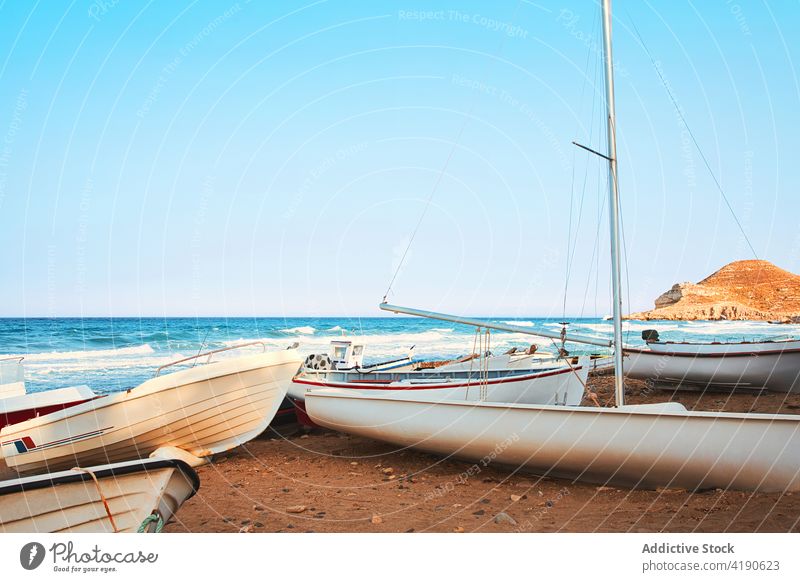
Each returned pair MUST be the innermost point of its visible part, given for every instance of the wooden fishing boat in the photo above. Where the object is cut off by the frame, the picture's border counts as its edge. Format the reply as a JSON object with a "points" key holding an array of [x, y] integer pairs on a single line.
{"points": [[770, 365], [206, 409], [121, 497]]}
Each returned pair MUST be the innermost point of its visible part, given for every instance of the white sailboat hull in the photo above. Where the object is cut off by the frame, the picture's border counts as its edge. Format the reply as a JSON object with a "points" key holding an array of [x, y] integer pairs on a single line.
{"points": [[771, 366], [203, 410], [646, 446], [71, 501]]}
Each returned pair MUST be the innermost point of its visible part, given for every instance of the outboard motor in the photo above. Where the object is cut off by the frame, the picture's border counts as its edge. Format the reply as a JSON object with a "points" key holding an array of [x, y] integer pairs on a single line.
{"points": [[650, 336]]}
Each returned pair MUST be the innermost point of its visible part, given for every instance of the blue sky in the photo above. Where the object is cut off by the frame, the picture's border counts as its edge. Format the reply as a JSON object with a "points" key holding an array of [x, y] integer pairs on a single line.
{"points": [[255, 158]]}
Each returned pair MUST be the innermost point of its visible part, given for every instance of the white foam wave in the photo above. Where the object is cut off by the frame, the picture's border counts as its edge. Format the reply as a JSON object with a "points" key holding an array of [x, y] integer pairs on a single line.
{"points": [[88, 354], [303, 329]]}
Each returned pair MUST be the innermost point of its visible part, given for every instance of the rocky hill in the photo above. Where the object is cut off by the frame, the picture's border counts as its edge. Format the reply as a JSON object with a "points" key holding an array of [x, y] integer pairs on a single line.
{"points": [[755, 290]]}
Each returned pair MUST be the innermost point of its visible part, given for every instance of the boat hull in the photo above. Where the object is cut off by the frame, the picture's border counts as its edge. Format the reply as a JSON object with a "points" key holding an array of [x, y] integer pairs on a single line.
{"points": [[204, 410], [646, 446], [559, 386], [727, 368], [16, 409], [71, 501]]}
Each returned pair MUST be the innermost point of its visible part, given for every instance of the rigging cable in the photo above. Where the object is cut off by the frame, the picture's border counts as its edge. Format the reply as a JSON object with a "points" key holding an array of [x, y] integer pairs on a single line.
{"points": [[691, 134], [571, 253], [441, 173]]}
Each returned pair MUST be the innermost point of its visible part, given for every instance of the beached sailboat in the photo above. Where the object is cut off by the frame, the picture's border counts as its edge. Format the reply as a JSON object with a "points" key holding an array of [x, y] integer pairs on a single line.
{"points": [[771, 365], [139, 495], [204, 410], [17, 405], [648, 445]]}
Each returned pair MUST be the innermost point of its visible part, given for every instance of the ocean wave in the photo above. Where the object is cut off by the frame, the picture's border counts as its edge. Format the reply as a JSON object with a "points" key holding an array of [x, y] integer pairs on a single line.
{"points": [[303, 329], [335, 328], [87, 354], [521, 323]]}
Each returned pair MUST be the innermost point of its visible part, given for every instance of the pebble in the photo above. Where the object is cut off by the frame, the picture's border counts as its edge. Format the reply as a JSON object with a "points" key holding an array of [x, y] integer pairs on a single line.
{"points": [[296, 509], [516, 497], [458, 529], [376, 519], [258, 508], [505, 518], [479, 512], [387, 471], [246, 529]]}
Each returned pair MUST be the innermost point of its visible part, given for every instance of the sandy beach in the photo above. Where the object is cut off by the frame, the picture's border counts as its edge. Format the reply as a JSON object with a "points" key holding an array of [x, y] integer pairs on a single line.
{"points": [[290, 480]]}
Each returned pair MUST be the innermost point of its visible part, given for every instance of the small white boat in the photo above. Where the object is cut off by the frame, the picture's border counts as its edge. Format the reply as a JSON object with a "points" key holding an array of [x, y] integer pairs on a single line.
{"points": [[647, 446], [16, 409], [770, 365], [203, 410], [17, 405], [121, 497], [561, 385]]}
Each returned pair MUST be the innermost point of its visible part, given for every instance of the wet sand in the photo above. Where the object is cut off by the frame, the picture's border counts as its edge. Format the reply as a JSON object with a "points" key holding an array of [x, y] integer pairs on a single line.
{"points": [[292, 481]]}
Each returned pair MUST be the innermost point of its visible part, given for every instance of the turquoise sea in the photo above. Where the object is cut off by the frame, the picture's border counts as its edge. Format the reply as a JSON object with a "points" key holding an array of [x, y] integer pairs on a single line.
{"points": [[115, 354]]}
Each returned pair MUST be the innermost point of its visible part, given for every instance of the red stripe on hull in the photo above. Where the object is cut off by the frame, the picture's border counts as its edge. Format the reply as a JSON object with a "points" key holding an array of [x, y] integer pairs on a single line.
{"points": [[355, 385], [23, 415]]}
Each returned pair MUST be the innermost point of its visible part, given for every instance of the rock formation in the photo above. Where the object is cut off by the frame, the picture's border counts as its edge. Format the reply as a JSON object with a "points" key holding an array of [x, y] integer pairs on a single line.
{"points": [[756, 290]]}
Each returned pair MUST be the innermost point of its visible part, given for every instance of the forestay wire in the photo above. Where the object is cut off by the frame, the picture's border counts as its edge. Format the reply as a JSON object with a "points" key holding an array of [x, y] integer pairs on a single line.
{"points": [[456, 143], [428, 202], [691, 134]]}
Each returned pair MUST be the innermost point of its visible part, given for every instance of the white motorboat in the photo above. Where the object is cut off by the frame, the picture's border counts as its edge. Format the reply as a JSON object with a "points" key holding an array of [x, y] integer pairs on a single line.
{"points": [[139, 495], [771, 365], [647, 445], [17, 405], [203, 410]]}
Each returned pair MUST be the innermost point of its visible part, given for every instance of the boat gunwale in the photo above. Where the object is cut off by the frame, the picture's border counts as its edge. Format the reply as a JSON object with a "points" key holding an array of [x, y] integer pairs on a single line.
{"points": [[33, 483], [437, 386], [651, 352]]}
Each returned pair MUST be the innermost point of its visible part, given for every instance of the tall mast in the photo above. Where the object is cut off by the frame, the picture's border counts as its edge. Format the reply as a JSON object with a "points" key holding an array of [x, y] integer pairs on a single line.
{"points": [[613, 201]]}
